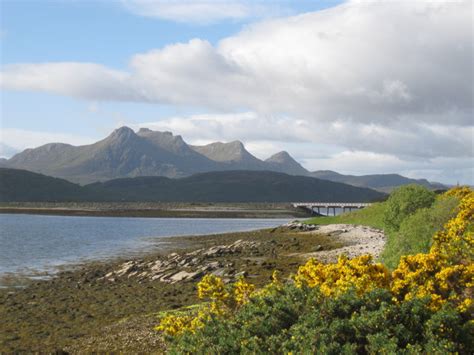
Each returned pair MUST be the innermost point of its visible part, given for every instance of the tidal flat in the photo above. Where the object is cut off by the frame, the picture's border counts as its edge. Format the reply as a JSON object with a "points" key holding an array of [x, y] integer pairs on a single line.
{"points": [[114, 305]]}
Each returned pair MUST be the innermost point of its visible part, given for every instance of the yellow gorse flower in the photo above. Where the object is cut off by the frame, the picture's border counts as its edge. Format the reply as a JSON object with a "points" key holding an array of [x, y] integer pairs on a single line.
{"points": [[445, 274], [242, 291], [334, 279], [212, 287], [223, 300]]}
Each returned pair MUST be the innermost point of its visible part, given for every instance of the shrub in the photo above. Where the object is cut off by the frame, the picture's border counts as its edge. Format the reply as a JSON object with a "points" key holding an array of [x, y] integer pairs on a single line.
{"points": [[354, 306], [416, 231], [405, 201], [302, 320]]}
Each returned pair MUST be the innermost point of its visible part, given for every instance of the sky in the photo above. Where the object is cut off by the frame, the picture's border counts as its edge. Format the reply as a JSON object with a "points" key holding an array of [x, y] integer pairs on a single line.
{"points": [[359, 87]]}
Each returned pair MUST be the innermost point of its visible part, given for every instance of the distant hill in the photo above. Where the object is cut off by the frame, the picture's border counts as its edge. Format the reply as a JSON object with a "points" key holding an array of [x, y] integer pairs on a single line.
{"points": [[380, 182], [22, 186], [225, 186]]}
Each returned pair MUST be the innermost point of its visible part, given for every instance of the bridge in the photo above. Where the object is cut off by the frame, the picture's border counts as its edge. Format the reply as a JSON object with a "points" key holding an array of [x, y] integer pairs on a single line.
{"points": [[311, 206]]}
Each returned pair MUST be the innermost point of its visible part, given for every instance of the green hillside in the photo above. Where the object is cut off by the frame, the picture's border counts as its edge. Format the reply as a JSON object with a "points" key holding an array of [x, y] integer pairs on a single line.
{"points": [[228, 186]]}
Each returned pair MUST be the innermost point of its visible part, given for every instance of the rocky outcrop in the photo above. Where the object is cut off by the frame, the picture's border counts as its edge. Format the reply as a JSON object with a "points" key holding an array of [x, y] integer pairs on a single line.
{"points": [[298, 226], [183, 267]]}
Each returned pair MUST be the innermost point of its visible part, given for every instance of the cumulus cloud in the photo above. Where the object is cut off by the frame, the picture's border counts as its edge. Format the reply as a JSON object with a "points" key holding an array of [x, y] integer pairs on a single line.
{"points": [[366, 61], [19, 139], [85, 80], [324, 146], [381, 77], [414, 141], [204, 11]]}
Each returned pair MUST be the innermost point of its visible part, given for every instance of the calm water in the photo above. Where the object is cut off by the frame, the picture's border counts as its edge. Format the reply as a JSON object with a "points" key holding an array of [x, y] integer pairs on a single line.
{"points": [[31, 243]]}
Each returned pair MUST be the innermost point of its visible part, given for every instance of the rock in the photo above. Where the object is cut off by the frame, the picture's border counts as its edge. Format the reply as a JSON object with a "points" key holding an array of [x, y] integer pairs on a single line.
{"points": [[220, 272], [214, 264], [242, 274], [183, 276], [172, 255], [126, 268], [156, 277], [156, 266]]}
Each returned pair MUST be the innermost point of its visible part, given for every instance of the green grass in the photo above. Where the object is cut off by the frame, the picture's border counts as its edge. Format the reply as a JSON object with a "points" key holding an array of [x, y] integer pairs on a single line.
{"points": [[371, 216]]}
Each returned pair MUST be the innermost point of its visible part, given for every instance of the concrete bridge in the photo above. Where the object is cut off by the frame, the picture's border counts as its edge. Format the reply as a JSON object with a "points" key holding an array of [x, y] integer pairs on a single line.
{"points": [[311, 206]]}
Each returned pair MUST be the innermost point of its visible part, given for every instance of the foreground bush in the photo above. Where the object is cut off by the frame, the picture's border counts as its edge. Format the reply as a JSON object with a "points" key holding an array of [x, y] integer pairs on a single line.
{"points": [[303, 320], [354, 306]]}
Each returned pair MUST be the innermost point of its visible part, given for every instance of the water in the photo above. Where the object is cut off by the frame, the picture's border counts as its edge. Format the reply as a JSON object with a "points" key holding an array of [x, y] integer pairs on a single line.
{"points": [[32, 244]]}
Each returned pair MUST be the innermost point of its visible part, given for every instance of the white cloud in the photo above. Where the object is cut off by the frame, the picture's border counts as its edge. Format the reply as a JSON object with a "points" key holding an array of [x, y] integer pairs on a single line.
{"points": [[19, 139], [364, 62], [204, 11], [409, 141], [6, 151], [324, 146], [379, 77]]}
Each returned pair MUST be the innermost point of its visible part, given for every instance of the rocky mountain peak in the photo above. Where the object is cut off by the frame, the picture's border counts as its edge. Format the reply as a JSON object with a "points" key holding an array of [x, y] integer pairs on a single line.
{"points": [[122, 133], [280, 157], [225, 152], [282, 161]]}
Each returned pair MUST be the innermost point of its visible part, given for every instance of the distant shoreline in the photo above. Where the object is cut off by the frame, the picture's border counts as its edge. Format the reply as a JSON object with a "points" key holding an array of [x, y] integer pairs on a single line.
{"points": [[156, 210]]}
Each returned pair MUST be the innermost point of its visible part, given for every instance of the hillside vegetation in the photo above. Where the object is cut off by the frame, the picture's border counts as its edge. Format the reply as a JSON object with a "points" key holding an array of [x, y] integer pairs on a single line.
{"points": [[225, 186], [424, 305]]}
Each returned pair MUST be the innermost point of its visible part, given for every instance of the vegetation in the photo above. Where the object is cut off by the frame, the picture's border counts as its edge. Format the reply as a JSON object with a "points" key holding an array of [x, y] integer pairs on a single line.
{"points": [[416, 231], [355, 306], [403, 202], [224, 186], [370, 216]]}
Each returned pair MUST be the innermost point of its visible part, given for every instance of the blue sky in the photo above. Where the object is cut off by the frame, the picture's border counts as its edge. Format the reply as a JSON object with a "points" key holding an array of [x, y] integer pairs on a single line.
{"points": [[337, 84], [104, 32]]}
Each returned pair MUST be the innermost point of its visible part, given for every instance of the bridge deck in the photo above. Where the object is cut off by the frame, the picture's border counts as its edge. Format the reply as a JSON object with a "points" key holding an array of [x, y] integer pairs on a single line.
{"points": [[330, 204], [311, 206]]}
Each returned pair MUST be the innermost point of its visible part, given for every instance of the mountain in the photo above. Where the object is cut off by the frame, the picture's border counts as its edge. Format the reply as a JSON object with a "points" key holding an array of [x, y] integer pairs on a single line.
{"points": [[380, 182], [283, 162], [125, 153], [223, 186], [232, 154]]}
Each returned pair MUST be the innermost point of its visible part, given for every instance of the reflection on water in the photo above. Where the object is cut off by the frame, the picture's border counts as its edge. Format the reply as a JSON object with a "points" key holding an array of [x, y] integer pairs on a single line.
{"points": [[34, 245]]}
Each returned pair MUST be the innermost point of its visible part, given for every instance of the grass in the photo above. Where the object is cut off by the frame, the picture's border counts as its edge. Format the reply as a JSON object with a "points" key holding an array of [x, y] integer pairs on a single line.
{"points": [[371, 216]]}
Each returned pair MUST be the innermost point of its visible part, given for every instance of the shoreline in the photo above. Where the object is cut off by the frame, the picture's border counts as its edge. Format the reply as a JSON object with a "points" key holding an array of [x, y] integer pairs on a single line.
{"points": [[113, 305], [157, 210]]}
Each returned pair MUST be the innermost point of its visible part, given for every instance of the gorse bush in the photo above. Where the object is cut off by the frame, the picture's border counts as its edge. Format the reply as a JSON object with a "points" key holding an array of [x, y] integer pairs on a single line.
{"points": [[295, 320], [354, 306]]}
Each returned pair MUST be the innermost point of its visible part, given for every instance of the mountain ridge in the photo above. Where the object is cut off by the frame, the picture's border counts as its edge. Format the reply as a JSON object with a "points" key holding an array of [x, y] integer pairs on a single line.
{"points": [[126, 153], [379, 182]]}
